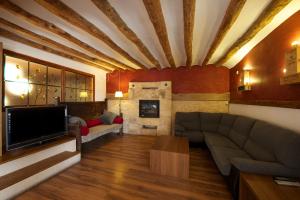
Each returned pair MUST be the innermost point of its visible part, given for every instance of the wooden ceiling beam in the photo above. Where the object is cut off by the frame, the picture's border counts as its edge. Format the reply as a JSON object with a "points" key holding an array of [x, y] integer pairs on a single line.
{"points": [[230, 17], [33, 36], [115, 18], [17, 38], [188, 17], [63, 11], [50, 27], [274, 7], [156, 16]]}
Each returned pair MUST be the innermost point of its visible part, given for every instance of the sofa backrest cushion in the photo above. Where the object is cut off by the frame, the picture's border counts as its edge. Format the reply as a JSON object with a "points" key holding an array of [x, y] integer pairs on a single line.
{"points": [[262, 141], [288, 150], [210, 121], [226, 123], [189, 120], [240, 130], [268, 142]]}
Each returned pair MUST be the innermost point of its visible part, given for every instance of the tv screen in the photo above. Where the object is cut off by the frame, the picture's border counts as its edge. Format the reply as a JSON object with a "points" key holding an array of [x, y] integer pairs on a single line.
{"points": [[29, 125]]}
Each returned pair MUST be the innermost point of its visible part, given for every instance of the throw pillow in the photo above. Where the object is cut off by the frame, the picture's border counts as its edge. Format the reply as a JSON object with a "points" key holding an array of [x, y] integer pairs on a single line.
{"points": [[108, 117], [93, 122], [74, 120], [118, 120], [84, 130]]}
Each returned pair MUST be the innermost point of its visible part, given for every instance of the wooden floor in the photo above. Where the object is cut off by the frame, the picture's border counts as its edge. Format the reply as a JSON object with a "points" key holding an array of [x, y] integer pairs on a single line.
{"points": [[117, 167]]}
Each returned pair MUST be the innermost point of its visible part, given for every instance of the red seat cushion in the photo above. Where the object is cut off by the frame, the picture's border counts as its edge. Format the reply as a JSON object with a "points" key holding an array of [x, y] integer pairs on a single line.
{"points": [[93, 122], [84, 130], [118, 120]]}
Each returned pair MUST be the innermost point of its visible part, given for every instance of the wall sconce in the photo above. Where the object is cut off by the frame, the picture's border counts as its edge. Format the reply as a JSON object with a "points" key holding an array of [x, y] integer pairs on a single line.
{"points": [[295, 43], [247, 81]]}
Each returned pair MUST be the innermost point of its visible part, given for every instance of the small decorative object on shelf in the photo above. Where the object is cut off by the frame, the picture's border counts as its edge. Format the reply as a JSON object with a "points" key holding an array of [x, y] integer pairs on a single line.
{"points": [[292, 60], [292, 66]]}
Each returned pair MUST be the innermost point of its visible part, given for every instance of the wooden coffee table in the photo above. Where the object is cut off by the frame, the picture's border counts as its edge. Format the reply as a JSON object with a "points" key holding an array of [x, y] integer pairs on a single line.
{"points": [[170, 156]]}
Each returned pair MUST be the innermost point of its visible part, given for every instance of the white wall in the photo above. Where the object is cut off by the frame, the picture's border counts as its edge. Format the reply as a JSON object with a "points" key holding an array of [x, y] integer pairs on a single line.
{"points": [[100, 75], [284, 117]]}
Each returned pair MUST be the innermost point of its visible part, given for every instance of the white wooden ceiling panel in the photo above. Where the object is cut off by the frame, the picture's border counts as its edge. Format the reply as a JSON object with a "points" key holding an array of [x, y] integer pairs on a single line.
{"points": [[208, 17], [133, 12], [248, 15], [91, 13], [173, 13], [15, 20]]}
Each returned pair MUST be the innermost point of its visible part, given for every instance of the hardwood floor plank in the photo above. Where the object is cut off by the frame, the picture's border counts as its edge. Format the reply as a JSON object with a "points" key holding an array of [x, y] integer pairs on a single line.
{"points": [[117, 167]]}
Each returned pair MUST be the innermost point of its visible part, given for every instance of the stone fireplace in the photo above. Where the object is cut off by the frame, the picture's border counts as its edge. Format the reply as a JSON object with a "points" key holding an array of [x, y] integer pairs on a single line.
{"points": [[148, 109]]}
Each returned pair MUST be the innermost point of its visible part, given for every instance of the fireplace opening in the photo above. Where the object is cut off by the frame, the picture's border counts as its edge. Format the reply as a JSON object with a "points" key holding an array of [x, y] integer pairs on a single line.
{"points": [[149, 108]]}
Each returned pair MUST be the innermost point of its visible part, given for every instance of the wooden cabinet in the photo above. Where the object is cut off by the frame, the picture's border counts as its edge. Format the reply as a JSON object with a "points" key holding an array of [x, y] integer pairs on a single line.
{"points": [[259, 187]]}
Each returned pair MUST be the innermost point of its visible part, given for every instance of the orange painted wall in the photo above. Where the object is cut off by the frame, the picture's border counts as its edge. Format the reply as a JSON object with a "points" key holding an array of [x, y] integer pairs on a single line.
{"points": [[209, 79], [267, 60]]}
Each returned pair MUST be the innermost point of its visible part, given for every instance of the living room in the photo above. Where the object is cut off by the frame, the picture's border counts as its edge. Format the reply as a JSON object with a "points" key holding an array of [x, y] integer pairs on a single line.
{"points": [[152, 99]]}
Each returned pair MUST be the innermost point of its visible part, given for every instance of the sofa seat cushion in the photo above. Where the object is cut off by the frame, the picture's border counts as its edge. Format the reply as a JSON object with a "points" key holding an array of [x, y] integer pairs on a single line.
{"points": [[193, 136], [265, 168], [215, 139], [223, 155], [240, 130], [97, 131], [226, 123], [210, 121]]}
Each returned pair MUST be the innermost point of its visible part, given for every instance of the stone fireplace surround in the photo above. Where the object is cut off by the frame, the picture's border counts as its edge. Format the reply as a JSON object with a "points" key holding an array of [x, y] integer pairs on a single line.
{"points": [[133, 123]]}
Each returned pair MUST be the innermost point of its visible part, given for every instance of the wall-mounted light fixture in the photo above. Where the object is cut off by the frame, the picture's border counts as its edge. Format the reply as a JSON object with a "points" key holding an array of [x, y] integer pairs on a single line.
{"points": [[246, 80], [295, 43]]}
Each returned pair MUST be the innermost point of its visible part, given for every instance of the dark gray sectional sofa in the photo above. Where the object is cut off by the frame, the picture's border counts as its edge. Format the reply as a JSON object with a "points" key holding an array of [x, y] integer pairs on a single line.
{"points": [[243, 143]]}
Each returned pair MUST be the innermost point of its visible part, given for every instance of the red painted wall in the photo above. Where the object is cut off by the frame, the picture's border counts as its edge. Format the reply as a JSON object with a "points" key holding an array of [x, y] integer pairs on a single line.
{"points": [[267, 60], [197, 79]]}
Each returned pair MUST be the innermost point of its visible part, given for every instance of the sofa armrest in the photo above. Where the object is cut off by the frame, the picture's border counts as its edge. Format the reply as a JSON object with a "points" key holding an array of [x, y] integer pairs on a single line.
{"points": [[262, 167]]}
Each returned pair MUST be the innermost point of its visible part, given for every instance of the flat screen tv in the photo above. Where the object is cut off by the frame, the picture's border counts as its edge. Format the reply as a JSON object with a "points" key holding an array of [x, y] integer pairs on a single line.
{"points": [[32, 125]]}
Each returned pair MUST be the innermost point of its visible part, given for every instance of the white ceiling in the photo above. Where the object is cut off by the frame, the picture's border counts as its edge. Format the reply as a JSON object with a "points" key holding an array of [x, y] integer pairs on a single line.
{"points": [[208, 17]]}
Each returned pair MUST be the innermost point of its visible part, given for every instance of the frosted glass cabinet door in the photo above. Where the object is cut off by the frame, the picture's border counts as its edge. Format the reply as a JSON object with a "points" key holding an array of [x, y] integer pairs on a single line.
{"points": [[54, 76], [37, 96], [15, 94], [37, 73], [80, 81], [70, 95], [53, 93], [70, 79], [89, 83], [15, 69]]}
